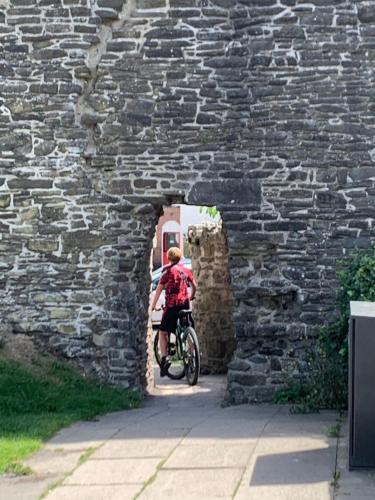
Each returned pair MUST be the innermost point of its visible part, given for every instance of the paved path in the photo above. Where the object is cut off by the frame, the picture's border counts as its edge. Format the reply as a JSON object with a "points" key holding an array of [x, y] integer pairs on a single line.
{"points": [[183, 445]]}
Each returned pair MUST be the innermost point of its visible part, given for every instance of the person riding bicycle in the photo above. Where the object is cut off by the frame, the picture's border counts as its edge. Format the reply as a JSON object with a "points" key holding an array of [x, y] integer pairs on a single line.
{"points": [[175, 280]]}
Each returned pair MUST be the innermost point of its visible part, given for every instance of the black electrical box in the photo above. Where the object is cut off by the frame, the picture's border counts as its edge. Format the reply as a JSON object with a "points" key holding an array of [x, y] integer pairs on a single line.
{"points": [[362, 385]]}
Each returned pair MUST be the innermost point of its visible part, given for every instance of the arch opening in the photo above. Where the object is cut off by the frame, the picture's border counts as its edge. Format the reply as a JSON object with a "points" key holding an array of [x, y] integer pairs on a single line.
{"points": [[199, 233]]}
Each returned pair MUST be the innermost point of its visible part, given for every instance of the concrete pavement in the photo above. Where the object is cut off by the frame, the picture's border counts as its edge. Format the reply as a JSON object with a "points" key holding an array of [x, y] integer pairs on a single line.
{"points": [[183, 444]]}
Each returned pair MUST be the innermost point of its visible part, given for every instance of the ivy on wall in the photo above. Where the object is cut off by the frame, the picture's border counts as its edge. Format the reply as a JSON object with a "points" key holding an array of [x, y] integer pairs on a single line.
{"points": [[327, 386]]}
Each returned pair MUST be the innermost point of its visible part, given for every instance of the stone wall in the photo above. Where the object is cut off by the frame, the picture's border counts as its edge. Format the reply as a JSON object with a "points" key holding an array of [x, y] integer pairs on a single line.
{"points": [[110, 109], [213, 307]]}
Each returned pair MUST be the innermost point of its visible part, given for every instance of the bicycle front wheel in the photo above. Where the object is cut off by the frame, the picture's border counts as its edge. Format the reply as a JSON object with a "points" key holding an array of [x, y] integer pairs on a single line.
{"points": [[192, 356]]}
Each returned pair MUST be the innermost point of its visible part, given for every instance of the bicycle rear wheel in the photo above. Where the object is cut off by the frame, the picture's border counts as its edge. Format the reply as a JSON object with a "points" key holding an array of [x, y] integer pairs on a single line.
{"points": [[156, 348], [192, 356]]}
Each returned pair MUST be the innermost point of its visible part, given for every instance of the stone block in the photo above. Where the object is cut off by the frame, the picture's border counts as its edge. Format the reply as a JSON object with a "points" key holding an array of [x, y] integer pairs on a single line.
{"points": [[246, 379], [82, 240], [227, 192], [366, 13], [29, 183], [107, 14], [121, 46], [43, 245], [60, 313], [30, 214], [169, 34], [151, 4], [135, 119], [4, 200]]}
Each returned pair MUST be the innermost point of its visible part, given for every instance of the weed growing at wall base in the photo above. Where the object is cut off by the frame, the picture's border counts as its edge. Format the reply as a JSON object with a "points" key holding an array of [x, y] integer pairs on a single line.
{"points": [[34, 405], [328, 361]]}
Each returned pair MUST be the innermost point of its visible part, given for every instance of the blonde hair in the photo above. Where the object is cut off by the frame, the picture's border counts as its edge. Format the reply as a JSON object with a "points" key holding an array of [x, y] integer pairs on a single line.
{"points": [[174, 255]]}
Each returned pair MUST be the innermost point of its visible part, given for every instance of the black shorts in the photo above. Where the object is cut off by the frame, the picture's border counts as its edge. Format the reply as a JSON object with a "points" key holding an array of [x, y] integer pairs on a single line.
{"points": [[170, 317]]}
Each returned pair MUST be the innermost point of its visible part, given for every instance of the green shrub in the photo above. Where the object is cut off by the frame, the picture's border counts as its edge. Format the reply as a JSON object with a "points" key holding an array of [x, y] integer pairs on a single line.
{"points": [[328, 360]]}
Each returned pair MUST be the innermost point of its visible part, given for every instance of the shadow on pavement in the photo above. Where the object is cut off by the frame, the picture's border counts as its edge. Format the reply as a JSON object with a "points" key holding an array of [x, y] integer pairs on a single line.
{"points": [[298, 467]]}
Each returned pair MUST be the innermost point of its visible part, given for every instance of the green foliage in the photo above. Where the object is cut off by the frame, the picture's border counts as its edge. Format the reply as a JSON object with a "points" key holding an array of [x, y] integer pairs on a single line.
{"points": [[211, 211], [34, 405], [328, 361], [294, 392], [18, 469], [334, 430]]}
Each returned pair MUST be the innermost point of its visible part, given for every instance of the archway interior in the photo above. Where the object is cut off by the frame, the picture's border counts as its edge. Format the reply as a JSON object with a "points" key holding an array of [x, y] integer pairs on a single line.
{"points": [[199, 233]]}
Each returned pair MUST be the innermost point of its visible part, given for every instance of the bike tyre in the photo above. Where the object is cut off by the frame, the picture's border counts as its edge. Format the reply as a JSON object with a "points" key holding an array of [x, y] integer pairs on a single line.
{"points": [[192, 373], [173, 375], [156, 348]]}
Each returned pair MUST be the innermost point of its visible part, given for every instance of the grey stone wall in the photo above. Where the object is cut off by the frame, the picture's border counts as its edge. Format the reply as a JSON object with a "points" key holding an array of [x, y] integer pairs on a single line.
{"points": [[213, 307], [111, 109]]}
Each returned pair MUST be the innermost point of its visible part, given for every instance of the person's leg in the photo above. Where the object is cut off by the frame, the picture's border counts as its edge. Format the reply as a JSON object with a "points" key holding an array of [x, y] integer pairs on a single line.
{"points": [[163, 343]]}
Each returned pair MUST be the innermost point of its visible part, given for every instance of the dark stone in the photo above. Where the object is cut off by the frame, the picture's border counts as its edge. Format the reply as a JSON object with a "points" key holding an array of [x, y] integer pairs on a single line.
{"points": [[271, 351], [27, 183], [135, 119], [81, 240], [258, 359], [145, 184], [49, 54], [169, 34], [227, 62], [140, 106], [225, 192], [205, 118], [113, 4], [276, 365], [107, 14], [246, 379], [327, 199], [366, 13], [121, 45]]}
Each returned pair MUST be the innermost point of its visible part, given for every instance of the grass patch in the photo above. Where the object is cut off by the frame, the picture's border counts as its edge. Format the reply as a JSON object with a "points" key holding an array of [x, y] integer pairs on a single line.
{"points": [[18, 469], [335, 479], [334, 430], [35, 404], [86, 455]]}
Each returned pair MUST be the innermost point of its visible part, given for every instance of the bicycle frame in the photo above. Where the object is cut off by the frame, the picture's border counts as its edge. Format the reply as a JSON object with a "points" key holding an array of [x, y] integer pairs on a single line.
{"points": [[182, 324]]}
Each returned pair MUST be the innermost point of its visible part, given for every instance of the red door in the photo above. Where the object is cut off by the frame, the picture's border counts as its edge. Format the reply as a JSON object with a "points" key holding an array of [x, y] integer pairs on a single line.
{"points": [[169, 240]]}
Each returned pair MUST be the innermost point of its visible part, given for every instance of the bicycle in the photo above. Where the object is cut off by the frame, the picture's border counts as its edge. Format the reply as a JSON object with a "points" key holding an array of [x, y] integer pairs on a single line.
{"points": [[183, 350]]}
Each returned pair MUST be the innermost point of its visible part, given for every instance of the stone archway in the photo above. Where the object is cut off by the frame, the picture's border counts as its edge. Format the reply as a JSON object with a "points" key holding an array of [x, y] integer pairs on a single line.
{"points": [[107, 114]]}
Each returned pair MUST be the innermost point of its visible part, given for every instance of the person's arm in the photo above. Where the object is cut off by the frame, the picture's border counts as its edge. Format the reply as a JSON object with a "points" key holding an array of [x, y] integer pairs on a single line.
{"points": [[193, 288], [158, 291]]}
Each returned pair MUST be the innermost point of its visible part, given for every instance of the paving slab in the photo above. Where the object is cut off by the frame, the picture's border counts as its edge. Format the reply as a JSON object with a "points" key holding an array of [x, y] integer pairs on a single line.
{"points": [[113, 471], [49, 461], [319, 491], [90, 434], [293, 459], [95, 492], [26, 487], [186, 484], [212, 454], [81, 436], [136, 448]]}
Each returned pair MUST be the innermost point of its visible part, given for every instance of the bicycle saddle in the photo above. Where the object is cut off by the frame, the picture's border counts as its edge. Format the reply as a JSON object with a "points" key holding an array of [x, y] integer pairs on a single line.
{"points": [[184, 312]]}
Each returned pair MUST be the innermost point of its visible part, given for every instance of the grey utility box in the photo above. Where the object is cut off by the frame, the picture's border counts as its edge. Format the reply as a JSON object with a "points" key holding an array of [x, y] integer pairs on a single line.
{"points": [[362, 385]]}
